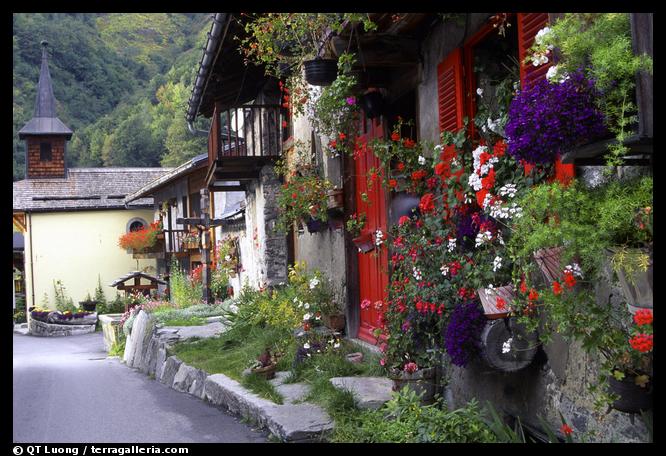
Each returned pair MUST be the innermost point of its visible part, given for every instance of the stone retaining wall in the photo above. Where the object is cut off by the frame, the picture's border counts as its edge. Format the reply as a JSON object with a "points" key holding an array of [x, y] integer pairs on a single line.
{"points": [[41, 329], [146, 349]]}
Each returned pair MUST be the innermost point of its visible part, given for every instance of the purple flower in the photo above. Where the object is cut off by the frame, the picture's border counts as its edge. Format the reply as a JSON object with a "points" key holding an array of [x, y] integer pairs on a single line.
{"points": [[406, 325], [351, 101], [546, 119], [462, 334]]}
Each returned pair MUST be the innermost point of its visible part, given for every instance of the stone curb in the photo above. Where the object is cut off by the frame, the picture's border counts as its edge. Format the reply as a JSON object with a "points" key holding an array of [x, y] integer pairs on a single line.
{"points": [[147, 347]]}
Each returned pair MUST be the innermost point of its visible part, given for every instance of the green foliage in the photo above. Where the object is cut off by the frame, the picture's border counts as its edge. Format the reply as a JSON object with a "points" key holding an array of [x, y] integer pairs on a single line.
{"points": [[184, 291], [404, 420], [63, 303], [100, 297], [118, 348], [138, 69], [111, 307], [19, 315], [189, 316]]}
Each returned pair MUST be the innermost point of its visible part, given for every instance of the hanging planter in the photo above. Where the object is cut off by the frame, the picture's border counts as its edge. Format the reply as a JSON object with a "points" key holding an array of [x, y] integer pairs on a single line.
{"points": [[316, 225], [548, 261], [320, 72], [636, 284], [633, 398], [506, 346], [364, 242], [336, 198], [493, 307]]}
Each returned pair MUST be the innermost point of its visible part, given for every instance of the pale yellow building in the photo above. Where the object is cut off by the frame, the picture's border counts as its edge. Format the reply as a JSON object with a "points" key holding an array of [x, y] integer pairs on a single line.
{"points": [[72, 218]]}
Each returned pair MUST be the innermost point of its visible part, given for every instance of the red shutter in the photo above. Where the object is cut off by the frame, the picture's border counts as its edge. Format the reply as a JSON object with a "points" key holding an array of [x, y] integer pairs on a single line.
{"points": [[450, 92], [528, 26]]}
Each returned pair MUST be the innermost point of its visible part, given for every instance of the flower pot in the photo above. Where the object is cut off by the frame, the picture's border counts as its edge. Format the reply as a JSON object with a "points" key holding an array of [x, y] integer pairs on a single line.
{"points": [[90, 306], [364, 242], [423, 381], [320, 72], [489, 297], [548, 261], [633, 398], [316, 226], [267, 372], [506, 346], [335, 322], [636, 285], [336, 198]]}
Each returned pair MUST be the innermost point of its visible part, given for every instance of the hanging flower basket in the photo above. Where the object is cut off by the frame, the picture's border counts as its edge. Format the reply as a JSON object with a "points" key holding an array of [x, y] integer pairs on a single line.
{"points": [[316, 226], [548, 261], [320, 72], [496, 301], [364, 242], [633, 398], [636, 284], [336, 198]]}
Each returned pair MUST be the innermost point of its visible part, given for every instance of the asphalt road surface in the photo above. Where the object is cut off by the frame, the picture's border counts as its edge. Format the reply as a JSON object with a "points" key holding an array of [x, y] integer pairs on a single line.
{"points": [[67, 390]]}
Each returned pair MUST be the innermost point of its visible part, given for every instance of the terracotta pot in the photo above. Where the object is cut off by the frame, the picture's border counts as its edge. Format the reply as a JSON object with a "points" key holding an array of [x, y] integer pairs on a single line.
{"points": [[548, 261], [267, 372], [633, 398], [336, 198], [364, 242], [320, 72], [489, 297], [335, 322], [423, 381]]}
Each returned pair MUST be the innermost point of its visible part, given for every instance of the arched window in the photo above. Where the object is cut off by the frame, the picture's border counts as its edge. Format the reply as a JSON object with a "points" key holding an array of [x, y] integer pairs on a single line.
{"points": [[136, 224]]}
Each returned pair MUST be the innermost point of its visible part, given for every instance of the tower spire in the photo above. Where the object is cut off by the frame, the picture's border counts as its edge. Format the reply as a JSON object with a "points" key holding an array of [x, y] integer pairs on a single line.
{"points": [[45, 103]]}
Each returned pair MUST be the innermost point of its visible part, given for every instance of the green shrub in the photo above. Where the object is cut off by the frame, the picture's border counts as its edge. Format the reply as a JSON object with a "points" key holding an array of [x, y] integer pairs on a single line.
{"points": [[19, 315], [63, 302], [404, 420], [184, 292]]}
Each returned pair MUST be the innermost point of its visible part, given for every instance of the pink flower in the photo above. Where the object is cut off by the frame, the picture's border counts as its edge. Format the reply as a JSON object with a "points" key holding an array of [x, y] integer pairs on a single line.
{"points": [[351, 101], [411, 367], [382, 361], [365, 304], [378, 305]]}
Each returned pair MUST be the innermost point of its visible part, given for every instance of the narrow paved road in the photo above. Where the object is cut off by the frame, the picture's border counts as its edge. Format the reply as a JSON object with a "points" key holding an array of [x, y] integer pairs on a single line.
{"points": [[66, 390]]}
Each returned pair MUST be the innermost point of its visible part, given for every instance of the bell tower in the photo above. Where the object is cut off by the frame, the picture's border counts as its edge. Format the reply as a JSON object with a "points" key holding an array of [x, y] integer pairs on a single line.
{"points": [[45, 135]]}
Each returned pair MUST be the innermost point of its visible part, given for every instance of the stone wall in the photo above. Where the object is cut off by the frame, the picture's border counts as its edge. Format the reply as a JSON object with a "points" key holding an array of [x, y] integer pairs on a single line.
{"points": [[41, 329]]}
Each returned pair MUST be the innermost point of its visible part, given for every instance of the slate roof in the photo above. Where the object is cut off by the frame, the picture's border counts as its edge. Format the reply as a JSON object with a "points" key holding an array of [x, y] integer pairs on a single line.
{"points": [[85, 189], [134, 274]]}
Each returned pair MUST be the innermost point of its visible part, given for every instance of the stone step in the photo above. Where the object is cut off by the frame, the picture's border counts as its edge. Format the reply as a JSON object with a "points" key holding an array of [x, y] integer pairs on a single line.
{"points": [[293, 392], [369, 392]]}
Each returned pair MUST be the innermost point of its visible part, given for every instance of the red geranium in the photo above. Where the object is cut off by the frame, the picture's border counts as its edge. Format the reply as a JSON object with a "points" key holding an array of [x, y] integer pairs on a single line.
{"points": [[427, 203], [557, 288], [643, 317], [402, 220], [569, 279], [418, 175], [395, 136], [642, 342]]}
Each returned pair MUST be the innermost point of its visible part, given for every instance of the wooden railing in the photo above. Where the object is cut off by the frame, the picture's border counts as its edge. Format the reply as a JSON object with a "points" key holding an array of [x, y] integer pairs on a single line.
{"points": [[247, 131], [174, 240]]}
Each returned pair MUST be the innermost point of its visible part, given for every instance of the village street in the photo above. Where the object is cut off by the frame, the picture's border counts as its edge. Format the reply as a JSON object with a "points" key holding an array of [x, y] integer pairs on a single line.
{"points": [[67, 390]]}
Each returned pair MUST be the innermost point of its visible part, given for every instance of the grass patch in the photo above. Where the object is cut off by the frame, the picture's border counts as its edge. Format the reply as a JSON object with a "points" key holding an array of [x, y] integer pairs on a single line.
{"points": [[185, 321], [231, 353], [118, 348]]}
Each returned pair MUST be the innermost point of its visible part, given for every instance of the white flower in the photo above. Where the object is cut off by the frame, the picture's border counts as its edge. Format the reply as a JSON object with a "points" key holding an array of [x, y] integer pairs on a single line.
{"points": [[313, 283], [379, 236], [306, 305], [438, 147], [233, 308], [417, 274], [497, 263], [479, 92], [444, 269], [452, 244], [227, 258], [306, 346], [551, 73], [541, 34], [422, 160], [318, 317], [574, 269], [506, 346], [336, 345], [482, 237], [455, 163], [474, 181], [307, 316], [295, 299], [486, 200]]}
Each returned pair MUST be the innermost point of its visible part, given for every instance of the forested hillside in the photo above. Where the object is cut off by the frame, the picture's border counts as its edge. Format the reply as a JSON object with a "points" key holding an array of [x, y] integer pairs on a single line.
{"points": [[122, 82]]}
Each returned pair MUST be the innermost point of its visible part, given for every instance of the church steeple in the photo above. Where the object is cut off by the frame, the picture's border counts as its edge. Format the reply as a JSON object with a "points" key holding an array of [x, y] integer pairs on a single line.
{"points": [[45, 134]]}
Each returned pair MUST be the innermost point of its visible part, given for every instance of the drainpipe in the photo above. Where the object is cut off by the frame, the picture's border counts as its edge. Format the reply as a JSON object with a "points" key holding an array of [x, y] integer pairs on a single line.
{"points": [[217, 32], [32, 271]]}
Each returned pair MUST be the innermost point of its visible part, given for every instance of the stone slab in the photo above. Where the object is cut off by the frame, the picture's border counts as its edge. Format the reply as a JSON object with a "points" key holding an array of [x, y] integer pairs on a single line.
{"points": [[41, 329], [299, 422], [111, 329], [293, 392], [171, 367], [280, 378], [201, 332], [370, 392]]}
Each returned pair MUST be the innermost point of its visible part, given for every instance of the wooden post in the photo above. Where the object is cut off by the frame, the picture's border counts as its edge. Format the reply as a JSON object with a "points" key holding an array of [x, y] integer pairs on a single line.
{"points": [[205, 245]]}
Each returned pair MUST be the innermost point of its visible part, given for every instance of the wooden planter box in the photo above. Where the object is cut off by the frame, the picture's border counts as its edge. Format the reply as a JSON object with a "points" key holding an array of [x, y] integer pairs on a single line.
{"points": [[364, 242], [548, 261], [336, 199], [489, 297]]}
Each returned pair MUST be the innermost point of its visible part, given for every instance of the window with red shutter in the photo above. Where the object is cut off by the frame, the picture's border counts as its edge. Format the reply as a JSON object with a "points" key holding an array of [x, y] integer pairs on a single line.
{"points": [[450, 92], [529, 25]]}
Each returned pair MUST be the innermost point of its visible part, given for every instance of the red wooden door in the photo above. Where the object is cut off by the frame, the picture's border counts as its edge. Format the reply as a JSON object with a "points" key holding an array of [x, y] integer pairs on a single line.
{"points": [[372, 266]]}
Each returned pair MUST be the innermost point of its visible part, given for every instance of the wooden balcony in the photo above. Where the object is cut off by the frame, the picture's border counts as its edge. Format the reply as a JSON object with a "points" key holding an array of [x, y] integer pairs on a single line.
{"points": [[174, 242], [242, 140]]}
